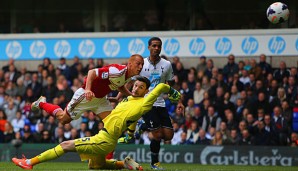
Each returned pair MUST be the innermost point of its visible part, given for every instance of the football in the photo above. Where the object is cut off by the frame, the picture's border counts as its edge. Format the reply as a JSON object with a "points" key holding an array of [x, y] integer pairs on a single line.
{"points": [[278, 12]]}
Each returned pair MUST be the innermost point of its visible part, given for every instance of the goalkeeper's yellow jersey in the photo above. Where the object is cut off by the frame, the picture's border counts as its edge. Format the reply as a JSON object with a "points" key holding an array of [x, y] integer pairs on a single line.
{"points": [[130, 110]]}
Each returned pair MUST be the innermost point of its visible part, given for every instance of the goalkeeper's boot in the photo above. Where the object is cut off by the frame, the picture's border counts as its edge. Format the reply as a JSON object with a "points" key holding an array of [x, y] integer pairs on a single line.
{"points": [[156, 166], [130, 164], [35, 105], [22, 163], [139, 130], [125, 140]]}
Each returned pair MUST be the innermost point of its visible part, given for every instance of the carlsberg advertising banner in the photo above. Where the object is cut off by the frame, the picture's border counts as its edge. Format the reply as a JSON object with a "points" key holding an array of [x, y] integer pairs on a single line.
{"points": [[214, 155], [192, 154]]}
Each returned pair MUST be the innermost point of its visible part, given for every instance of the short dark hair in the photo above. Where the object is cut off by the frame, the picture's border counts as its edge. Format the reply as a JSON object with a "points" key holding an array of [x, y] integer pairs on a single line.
{"points": [[152, 39], [145, 80]]}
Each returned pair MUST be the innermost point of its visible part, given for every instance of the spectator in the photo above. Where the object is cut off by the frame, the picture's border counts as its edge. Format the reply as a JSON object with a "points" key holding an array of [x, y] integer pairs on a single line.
{"points": [[46, 137], [224, 131], [202, 139], [6, 67], [178, 117], [189, 109], [261, 135], [281, 96], [211, 120], [280, 126], [20, 88], [10, 109], [235, 94], [266, 67], [18, 122], [35, 86], [73, 134], [193, 132], [208, 70], [198, 116], [60, 135], [92, 123], [176, 59], [183, 139], [202, 64], [8, 133], [198, 94], [294, 140], [67, 131], [231, 67], [246, 138], [282, 72], [64, 68], [256, 70], [217, 140], [177, 134], [27, 135], [234, 138], [82, 130]]}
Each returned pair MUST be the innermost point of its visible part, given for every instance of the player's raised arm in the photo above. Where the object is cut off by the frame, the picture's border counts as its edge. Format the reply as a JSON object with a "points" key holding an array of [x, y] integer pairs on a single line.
{"points": [[152, 96]]}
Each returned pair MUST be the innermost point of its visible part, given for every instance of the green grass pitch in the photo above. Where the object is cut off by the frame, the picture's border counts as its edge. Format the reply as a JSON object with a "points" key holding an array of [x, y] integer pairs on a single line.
{"points": [[6, 166]]}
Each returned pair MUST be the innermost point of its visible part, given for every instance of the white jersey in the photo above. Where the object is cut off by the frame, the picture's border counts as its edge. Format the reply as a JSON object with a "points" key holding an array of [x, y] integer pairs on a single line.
{"points": [[159, 73]]}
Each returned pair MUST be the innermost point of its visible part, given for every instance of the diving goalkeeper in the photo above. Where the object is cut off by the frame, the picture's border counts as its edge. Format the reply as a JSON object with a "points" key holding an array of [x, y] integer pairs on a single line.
{"points": [[95, 148]]}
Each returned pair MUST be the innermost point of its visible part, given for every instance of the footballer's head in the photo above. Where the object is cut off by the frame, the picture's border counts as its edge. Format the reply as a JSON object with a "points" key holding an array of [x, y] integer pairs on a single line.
{"points": [[140, 87], [135, 65]]}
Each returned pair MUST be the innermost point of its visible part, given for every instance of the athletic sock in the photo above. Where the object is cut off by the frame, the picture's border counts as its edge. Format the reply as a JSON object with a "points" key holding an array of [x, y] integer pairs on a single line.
{"points": [[50, 154], [50, 108], [154, 147]]}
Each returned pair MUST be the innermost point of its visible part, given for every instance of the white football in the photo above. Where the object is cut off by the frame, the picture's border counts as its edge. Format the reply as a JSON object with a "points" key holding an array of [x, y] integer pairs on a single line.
{"points": [[278, 12]]}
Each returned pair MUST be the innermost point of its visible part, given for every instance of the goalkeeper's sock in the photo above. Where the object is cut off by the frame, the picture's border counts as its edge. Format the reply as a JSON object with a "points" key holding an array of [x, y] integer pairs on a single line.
{"points": [[50, 108], [50, 154], [154, 147]]}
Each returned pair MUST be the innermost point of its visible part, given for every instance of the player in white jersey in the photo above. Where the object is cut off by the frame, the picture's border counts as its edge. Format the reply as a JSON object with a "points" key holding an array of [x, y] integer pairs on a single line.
{"points": [[157, 120]]}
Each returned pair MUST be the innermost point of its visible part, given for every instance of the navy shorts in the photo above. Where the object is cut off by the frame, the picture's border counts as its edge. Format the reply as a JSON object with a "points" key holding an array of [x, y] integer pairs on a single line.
{"points": [[157, 117]]}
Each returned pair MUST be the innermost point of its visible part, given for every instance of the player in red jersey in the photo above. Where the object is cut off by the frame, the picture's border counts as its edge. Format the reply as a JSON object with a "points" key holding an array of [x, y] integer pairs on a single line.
{"points": [[92, 95]]}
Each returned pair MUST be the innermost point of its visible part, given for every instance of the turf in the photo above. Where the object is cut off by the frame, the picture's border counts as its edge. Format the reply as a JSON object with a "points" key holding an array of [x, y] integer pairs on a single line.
{"points": [[6, 166]]}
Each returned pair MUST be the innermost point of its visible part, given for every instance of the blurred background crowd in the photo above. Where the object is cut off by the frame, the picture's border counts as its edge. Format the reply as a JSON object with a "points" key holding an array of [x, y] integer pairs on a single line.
{"points": [[247, 102], [133, 15]]}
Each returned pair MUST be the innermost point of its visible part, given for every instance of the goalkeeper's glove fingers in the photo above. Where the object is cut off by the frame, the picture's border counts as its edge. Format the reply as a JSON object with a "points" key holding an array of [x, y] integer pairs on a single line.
{"points": [[174, 95], [124, 140]]}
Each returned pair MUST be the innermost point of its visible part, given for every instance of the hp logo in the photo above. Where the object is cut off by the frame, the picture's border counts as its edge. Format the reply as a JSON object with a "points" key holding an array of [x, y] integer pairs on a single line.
{"points": [[38, 49], [223, 45], [197, 46], [171, 46], [86, 48], [276, 45], [111, 47], [250, 45], [62, 48], [13, 49], [297, 44], [136, 46]]}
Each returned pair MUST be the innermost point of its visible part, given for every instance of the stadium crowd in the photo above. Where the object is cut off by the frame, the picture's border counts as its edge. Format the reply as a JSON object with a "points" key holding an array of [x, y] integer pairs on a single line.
{"points": [[244, 103]]}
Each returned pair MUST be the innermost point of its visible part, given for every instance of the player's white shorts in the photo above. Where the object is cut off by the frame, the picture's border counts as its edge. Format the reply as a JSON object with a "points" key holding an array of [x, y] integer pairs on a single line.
{"points": [[79, 104]]}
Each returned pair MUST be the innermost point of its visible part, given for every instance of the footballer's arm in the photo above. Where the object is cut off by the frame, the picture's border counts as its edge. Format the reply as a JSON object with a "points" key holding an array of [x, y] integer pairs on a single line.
{"points": [[92, 74]]}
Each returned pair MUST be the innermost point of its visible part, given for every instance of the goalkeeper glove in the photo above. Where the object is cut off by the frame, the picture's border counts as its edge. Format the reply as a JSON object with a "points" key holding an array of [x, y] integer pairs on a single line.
{"points": [[174, 95], [125, 140]]}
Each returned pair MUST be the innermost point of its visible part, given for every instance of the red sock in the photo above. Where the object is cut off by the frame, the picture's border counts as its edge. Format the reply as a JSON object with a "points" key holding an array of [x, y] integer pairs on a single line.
{"points": [[110, 155], [50, 108]]}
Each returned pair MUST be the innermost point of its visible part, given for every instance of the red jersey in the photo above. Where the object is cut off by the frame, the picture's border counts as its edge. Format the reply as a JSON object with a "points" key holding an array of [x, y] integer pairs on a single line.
{"points": [[108, 78]]}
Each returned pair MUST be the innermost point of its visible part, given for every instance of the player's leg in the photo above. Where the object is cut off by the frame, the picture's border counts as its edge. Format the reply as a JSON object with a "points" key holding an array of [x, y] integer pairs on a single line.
{"points": [[152, 121], [103, 108], [165, 132], [51, 154]]}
